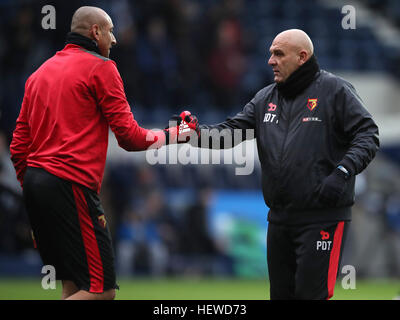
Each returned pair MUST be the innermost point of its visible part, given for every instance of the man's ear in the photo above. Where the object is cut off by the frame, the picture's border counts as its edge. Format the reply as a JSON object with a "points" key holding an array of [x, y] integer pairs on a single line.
{"points": [[95, 32], [303, 57]]}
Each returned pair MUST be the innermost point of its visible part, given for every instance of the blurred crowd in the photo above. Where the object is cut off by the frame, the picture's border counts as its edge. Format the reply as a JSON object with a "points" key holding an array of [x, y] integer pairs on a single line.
{"points": [[170, 53], [210, 56]]}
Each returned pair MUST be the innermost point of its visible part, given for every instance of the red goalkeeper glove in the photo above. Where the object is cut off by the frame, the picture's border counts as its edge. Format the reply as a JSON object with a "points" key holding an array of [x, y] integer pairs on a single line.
{"points": [[181, 128]]}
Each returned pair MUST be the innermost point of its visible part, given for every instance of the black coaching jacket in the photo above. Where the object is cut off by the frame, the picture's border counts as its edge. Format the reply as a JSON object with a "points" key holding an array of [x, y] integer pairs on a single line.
{"points": [[300, 141]]}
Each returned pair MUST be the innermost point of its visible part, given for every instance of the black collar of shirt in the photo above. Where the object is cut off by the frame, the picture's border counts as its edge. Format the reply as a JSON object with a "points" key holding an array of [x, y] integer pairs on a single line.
{"points": [[82, 41]]}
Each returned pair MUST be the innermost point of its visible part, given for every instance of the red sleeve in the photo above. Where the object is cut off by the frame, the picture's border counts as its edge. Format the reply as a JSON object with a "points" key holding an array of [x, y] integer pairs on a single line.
{"points": [[21, 140], [110, 94]]}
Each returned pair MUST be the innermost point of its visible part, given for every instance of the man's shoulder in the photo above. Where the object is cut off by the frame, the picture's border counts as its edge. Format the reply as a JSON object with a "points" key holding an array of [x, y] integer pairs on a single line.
{"points": [[76, 61], [81, 55], [95, 55], [264, 92], [332, 84], [334, 80], [77, 56], [268, 88], [72, 48], [99, 64], [337, 85]]}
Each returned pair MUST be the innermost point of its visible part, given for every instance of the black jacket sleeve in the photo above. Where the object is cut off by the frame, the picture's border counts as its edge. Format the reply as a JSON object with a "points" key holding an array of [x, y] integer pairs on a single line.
{"points": [[232, 131], [359, 128]]}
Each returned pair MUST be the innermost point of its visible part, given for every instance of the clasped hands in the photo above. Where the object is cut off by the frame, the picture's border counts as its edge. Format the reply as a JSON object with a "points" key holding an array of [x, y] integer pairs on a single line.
{"points": [[181, 128]]}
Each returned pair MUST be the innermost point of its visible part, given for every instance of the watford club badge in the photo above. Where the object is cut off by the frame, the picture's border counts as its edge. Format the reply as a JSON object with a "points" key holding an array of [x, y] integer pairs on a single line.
{"points": [[312, 104], [102, 220]]}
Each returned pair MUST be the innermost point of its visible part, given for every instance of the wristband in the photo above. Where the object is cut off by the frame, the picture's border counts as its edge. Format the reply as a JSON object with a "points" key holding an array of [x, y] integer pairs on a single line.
{"points": [[345, 171]]}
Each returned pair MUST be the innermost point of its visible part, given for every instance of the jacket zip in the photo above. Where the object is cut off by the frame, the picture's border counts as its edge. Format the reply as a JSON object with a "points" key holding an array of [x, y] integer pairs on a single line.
{"points": [[286, 132], [284, 139]]}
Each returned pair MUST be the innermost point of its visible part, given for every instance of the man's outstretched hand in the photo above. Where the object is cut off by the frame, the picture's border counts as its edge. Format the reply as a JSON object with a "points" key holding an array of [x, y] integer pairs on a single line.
{"points": [[181, 128]]}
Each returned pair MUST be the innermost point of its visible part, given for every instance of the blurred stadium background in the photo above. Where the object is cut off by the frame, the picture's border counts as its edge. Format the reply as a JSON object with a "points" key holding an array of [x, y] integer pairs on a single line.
{"points": [[198, 231]]}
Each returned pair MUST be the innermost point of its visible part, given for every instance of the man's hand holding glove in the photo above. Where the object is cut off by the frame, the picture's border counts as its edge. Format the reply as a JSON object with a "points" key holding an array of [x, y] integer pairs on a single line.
{"points": [[334, 185], [181, 128]]}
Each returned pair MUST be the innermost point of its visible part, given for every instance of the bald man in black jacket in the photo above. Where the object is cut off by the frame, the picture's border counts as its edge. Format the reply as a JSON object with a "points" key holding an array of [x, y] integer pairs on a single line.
{"points": [[313, 135]]}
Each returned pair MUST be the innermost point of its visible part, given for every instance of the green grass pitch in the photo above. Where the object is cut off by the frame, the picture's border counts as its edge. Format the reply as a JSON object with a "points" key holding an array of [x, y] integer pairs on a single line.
{"points": [[195, 289]]}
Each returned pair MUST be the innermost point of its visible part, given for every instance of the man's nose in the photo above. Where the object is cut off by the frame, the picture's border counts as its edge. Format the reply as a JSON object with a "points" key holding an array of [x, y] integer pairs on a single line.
{"points": [[271, 61]]}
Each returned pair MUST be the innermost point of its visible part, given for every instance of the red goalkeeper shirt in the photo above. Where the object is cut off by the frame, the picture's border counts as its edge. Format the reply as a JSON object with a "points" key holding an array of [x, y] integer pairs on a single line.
{"points": [[69, 104]]}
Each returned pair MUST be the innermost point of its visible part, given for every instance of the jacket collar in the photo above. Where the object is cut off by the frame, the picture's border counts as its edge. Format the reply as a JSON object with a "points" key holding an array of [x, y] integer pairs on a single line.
{"points": [[82, 41], [300, 79]]}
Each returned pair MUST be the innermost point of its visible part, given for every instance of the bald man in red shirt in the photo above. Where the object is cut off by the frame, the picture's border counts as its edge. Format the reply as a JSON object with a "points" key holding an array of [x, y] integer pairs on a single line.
{"points": [[59, 151]]}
